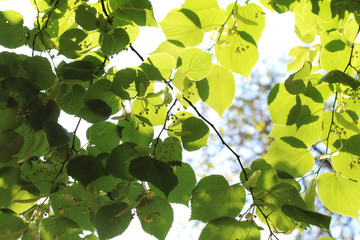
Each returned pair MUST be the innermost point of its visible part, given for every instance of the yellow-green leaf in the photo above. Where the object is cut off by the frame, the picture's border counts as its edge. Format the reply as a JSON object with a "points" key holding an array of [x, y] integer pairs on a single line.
{"points": [[218, 89], [181, 27], [195, 63], [339, 194]]}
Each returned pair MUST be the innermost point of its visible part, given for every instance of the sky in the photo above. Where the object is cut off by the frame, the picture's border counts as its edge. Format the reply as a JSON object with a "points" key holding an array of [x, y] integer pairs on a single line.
{"points": [[276, 41]]}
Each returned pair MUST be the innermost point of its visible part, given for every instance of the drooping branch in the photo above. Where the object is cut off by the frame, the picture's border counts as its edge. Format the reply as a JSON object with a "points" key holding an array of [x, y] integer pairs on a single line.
{"points": [[238, 158]]}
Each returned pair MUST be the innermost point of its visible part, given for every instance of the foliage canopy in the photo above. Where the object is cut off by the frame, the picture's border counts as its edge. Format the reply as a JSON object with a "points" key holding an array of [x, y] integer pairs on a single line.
{"points": [[54, 187]]}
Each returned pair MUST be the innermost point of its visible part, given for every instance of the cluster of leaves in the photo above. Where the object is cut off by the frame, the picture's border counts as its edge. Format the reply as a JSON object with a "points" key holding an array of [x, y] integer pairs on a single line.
{"points": [[52, 187]]}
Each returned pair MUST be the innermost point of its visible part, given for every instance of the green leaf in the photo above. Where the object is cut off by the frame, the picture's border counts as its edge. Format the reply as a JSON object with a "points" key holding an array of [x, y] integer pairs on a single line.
{"points": [[85, 169], [112, 220], [72, 102], [77, 70], [52, 226], [56, 134], [252, 181], [73, 203], [152, 109], [339, 194], [195, 63], [159, 66], [137, 130], [336, 76], [160, 174], [41, 174], [305, 19], [124, 82], [9, 118], [290, 155], [85, 16], [177, 25], [182, 192], [268, 177], [95, 110], [169, 150], [10, 144], [284, 108], [104, 136], [210, 15], [306, 216], [310, 193], [75, 42], [101, 90], [12, 30], [38, 69], [127, 191], [213, 192], [249, 18], [140, 11], [335, 54], [225, 228], [114, 41], [295, 84], [156, 216], [218, 89], [119, 160], [188, 88], [198, 134], [11, 226], [17, 195], [241, 48], [173, 47], [271, 201], [347, 161]]}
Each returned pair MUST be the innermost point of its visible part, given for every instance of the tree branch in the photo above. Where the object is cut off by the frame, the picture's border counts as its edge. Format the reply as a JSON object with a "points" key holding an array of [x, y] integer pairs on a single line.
{"points": [[225, 144], [109, 19], [136, 52]]}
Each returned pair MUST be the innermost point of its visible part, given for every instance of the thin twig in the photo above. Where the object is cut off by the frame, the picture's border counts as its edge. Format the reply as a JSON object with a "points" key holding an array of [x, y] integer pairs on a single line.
{"points": [[164, 126], [44, 27], [136, 52]]}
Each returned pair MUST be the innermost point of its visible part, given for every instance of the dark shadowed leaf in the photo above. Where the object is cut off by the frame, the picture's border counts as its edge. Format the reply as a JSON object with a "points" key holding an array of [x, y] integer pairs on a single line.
{"points": [[95, 110], [112, 220], [85, 169], [307, 216], [160, 174]]}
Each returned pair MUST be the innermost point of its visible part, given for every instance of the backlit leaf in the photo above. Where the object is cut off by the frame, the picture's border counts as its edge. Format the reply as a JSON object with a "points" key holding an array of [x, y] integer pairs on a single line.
{"points": [[177, 25], [12, 30], [156, 216], [229, 228], [10, 144], [339, 194], [217, 90], [213, 192], [119, 160], [198, 134], [195, 63], [291, 157], [112, 220]]}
